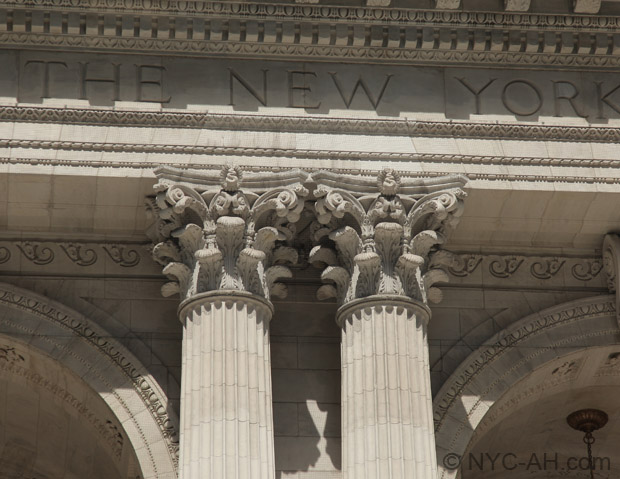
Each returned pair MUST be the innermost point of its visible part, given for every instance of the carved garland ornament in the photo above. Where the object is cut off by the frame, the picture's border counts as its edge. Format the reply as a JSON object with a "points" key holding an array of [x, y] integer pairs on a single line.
{"points": [[233, 231]]}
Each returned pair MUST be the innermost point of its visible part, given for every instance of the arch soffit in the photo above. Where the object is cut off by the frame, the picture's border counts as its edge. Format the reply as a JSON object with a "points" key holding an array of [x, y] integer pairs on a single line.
{"points": [[508, 357], [105, 365]]}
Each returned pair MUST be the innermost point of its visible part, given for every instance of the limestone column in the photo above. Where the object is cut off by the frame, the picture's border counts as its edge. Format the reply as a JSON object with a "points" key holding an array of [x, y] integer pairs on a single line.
{"points": [[222, 247], [386, 396], [380, 270], [226, 419]]}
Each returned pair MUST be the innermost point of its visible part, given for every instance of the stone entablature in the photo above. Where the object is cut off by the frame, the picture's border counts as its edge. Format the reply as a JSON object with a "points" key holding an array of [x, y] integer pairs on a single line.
{"points": [[365, 97]]}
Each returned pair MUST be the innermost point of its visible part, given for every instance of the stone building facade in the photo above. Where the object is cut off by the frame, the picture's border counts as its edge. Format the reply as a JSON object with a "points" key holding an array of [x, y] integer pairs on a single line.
{"points": [[314, 240]]}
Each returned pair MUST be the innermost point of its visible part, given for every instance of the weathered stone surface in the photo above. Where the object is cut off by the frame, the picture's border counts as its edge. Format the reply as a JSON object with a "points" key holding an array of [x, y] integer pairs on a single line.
{"points": [[94, 98]]}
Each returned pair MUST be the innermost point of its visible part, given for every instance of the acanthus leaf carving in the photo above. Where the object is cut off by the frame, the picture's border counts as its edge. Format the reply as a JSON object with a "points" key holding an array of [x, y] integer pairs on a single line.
{"points": [[226, 230], [372, 236], [385, 235]]}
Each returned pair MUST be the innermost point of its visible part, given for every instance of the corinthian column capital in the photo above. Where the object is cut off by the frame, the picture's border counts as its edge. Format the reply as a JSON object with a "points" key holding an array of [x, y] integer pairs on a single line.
{"points": [[223, 230], [379, 237]]}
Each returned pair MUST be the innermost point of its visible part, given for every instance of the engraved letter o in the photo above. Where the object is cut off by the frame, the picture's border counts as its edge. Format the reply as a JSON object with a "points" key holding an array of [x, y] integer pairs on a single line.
{"points": [[516, 111]]}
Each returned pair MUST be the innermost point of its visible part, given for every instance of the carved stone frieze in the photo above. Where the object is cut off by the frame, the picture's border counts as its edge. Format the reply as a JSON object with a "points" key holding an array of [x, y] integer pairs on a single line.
{"points": [[587, 270], [36, 252], [318, 124], [521, 270], [611, 265], [225, 231], [79, 253], [58, 254], [506, 266], [122, 254], [546, 268], [379, 238]]}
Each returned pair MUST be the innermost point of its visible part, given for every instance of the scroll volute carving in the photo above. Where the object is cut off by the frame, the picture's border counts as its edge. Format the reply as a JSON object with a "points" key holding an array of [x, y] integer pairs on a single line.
{"points": [[225, 231], [378, 238], [611, 266]]}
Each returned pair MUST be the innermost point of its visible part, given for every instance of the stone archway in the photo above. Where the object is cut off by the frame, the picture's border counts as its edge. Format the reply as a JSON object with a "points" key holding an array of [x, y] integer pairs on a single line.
{"points": [[490, 372], [105, 366]]}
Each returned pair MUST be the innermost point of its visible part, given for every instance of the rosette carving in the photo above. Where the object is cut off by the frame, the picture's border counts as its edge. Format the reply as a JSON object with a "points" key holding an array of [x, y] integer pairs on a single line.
{"points": [[225, 230], [378, 237]]}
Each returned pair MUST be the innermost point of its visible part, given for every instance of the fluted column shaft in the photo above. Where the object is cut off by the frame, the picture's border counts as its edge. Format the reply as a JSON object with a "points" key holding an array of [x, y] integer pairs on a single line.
{"points": [[226, 408], [387, 426]]}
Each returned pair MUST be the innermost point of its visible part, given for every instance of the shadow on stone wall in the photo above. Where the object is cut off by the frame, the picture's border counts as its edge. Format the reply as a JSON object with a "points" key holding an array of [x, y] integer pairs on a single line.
{"points": [[305, 353]]}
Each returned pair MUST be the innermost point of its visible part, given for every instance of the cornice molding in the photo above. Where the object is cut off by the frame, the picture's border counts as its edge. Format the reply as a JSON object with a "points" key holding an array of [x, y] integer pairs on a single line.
{"points": [[590, 180], [308, 124], [523, 52], [343, 155], [330, 33], [327, 13]]}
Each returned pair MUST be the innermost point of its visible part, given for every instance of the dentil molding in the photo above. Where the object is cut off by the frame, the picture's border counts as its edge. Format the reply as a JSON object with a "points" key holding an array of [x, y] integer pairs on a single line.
{"points": [[337, 33]]}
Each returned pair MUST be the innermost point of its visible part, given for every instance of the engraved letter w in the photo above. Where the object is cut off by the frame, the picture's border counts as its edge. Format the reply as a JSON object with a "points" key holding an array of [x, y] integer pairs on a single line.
{"points": [[360, 83]]}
